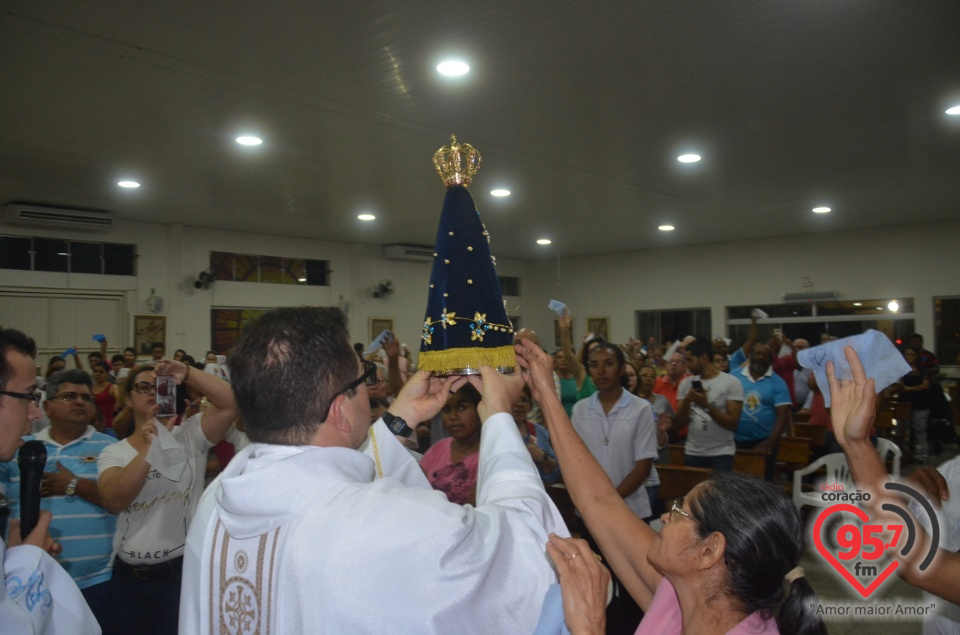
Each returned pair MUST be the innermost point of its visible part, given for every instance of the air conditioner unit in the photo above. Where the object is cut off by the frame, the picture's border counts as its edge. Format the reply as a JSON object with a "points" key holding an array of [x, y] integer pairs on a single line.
{"points": [[414, 253], [41, 216], [818, 296]]}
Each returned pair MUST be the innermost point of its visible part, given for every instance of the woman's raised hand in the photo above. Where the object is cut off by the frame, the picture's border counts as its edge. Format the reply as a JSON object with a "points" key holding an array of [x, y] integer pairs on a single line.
{"points": [[536, 367], [852, 401]]}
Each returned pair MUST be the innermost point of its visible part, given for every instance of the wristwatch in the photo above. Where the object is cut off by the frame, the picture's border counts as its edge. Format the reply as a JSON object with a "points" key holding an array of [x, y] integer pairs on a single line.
{"points": [[71, 488], [397, 425]]}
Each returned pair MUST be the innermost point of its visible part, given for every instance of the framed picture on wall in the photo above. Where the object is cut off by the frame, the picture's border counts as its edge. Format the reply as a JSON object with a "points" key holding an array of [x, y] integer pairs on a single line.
{"points": [[600, 326], [148, 329], [378, 325]]}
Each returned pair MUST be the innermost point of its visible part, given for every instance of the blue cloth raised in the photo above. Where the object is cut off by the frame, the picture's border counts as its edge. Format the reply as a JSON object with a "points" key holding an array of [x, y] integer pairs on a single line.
{"points": [[881, 360]]}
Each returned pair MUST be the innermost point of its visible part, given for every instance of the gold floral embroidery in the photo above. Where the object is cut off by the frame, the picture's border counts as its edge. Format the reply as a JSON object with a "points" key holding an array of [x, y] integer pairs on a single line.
{"points": [[479, 326]]}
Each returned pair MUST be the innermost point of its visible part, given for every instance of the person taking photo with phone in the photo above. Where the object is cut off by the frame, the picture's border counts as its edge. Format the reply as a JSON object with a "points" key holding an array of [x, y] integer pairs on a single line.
{"points": [[153, 480], [710, 402]]}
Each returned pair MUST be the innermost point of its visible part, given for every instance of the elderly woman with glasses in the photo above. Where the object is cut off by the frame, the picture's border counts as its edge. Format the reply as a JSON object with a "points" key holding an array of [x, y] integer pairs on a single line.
{"points": [[726, 560], [153, 480]]}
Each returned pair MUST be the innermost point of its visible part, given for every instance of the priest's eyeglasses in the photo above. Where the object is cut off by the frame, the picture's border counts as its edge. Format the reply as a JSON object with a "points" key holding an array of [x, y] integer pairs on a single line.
{"points": [[368, 377], [36, 396]]}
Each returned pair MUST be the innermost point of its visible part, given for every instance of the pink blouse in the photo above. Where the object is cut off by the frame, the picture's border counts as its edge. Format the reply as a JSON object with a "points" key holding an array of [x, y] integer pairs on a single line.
{"points": [[664, 618], [453, 479]]}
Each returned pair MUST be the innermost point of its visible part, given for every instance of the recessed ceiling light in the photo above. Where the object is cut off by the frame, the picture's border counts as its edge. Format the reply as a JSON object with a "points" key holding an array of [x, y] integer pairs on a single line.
{"points": [[128, 184], [858, 304], [688, 158], [301, 279], [893, 306], [499, 192], [666, 228], [249, 140], [366, 217], [544, 241], [954, 110], [879, 308], [453, 68], [821, 210]]}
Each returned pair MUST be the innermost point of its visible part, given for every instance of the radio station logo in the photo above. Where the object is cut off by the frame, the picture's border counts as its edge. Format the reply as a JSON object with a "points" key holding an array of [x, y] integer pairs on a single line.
{"points": [[857, 548]]}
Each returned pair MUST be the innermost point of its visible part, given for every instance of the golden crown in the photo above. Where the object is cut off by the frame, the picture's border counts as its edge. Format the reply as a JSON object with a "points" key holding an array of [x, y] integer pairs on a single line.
{"points": [[457, 163]]}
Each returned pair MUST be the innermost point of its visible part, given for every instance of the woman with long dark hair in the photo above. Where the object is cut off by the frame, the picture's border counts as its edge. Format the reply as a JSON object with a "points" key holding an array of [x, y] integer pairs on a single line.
{"points": [[726, 561]]}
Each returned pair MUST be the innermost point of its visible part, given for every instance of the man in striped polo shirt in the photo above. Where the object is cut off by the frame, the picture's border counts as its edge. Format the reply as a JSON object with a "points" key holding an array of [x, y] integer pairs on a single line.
{"points": [[69, 489]]}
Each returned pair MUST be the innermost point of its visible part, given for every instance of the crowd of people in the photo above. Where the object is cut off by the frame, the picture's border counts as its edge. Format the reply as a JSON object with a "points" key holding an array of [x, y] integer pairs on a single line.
{"points": [[429, 492]]}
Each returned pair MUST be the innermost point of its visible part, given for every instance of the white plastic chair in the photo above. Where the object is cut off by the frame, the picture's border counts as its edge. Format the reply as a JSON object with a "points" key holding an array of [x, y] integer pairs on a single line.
{"points": [[886, 447], [837, 472]]}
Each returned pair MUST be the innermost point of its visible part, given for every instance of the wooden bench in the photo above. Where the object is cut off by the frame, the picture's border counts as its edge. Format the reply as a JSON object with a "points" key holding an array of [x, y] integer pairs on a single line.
{"points": [[752, 462], [893, 422], [677, 480], [816, 434], [676, 453], [794, 454]]}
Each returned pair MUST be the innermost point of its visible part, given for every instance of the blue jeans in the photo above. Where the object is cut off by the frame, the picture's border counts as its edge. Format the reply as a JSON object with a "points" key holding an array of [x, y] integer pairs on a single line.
{"points": [[720, 463]]}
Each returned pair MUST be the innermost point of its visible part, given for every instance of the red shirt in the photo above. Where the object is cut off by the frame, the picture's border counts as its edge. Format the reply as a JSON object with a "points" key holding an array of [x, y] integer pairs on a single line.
{"points": [[663, 387]]}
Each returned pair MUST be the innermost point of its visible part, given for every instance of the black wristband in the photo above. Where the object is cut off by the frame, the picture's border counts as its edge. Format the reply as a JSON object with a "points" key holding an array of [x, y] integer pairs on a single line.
{"points": [[397, 425]]}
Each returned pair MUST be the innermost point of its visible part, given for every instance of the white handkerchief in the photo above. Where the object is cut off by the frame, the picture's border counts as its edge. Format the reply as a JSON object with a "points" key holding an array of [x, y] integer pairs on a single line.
{"points": [[881, 360], [558, 306], [166, 455]]}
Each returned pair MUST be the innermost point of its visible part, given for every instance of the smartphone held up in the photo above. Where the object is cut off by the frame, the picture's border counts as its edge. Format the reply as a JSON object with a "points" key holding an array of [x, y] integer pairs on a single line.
{"points": [[166, 396]]}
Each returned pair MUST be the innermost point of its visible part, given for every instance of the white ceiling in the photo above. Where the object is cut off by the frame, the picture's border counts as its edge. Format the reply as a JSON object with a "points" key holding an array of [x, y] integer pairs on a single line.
{"points": [[579, 108]]}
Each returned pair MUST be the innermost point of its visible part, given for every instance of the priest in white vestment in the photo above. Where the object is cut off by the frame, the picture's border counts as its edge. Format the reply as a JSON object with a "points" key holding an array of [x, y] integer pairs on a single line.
{"points": [[320, 527]]}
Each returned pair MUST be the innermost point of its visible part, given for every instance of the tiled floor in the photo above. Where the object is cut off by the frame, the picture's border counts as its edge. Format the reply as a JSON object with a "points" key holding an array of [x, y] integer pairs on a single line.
{"points": [[833, 591]]}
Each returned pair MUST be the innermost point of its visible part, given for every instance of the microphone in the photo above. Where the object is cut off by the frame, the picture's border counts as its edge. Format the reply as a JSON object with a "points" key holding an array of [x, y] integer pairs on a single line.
{"points": [[31, 459]]}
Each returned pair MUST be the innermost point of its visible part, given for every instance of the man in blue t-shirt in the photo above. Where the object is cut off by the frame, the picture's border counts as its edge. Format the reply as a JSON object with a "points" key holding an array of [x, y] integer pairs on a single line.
{"points": [[765, 415]]}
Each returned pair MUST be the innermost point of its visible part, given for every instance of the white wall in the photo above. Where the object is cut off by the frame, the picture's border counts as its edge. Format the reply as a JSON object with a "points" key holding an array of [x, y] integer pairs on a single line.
{"points": [[171, 257], [918, 261]]}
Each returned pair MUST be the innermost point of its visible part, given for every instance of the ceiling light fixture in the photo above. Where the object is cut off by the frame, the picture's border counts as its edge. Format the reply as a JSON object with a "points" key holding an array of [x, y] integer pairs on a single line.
{"points": [[500, 192], [688, 158], [666, 228], [858, 304], [128, 184], [301, 279], [366, 217], [249, 140], [453, 68], [893, 306], [544, 241], [954, 110], [821, 210]]}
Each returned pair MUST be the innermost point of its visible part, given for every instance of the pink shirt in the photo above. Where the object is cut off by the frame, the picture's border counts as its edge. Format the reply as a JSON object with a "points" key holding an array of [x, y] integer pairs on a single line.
{"points": [[663, 617], [453, 479]]}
